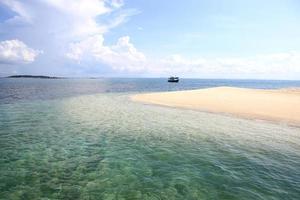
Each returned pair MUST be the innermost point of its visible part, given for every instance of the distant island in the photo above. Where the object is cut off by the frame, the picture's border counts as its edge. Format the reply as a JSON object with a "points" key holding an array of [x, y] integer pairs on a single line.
{"points": [[32, 76]]}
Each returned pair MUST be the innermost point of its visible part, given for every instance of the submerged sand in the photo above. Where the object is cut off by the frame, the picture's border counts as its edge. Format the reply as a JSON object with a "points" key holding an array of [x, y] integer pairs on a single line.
{"points": [[280, 105]]}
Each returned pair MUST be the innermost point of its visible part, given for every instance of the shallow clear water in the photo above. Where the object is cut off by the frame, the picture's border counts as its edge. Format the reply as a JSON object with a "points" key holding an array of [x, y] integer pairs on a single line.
{"points": [[103, 146]]}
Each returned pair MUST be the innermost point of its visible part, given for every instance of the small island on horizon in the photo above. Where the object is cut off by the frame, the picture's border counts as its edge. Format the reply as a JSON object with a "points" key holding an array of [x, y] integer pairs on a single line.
{"points": [[34, 76]]}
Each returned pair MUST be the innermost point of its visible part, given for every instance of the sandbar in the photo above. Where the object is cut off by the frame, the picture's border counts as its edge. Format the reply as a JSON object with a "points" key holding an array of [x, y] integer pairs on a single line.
{"points": [[278, 104]]}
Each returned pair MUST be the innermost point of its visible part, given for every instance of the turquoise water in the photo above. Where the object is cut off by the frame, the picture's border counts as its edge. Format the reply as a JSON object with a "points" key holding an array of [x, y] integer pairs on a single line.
{"points": [[103, 146]]}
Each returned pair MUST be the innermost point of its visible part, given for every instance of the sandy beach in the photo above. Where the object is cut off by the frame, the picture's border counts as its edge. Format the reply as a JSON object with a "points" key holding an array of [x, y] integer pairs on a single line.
{"points": [[280, 105]]}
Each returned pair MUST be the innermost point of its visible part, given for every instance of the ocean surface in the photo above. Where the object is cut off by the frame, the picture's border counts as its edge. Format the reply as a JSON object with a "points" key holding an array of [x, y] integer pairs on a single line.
{"points": [[84, 139]]}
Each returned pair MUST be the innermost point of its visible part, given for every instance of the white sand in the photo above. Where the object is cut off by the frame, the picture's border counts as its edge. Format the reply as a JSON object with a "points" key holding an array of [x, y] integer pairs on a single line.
{"points": [[279, 105]]}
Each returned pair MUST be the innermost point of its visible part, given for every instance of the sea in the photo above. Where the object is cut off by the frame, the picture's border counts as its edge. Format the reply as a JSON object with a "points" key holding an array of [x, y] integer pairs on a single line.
{"points": [[85, 139]]}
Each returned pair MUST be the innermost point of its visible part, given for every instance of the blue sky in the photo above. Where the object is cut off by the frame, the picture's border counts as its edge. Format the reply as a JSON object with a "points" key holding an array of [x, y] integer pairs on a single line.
{"points": [[143, 38], [215, 27]]}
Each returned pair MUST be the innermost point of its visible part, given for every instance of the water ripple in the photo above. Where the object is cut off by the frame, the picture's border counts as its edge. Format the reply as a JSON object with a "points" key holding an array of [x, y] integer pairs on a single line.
{"points": [[106, 147]]}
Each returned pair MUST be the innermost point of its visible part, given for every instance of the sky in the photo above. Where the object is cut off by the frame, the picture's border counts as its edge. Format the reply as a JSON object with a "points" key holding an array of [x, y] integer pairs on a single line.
{"points": [[250, 39]]}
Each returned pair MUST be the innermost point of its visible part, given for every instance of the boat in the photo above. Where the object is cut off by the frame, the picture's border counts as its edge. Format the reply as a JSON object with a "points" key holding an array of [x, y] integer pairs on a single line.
{"points": [[173, 79]]}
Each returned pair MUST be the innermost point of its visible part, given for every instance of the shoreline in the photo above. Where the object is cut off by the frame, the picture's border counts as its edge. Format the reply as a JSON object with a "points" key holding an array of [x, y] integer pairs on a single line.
{"points": [[279, 105]]}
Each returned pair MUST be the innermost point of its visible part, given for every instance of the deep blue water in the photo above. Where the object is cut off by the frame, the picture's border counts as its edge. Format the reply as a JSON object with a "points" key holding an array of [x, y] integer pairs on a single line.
{"points": [[12, 90]]}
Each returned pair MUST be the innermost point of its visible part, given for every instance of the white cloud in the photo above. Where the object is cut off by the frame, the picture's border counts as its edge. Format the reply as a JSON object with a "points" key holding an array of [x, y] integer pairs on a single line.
{"points": [[80, 16], [67, 20], [117, 3], [122, 56], [22, 15], [280, 65], [16, 52], [62, 24]]}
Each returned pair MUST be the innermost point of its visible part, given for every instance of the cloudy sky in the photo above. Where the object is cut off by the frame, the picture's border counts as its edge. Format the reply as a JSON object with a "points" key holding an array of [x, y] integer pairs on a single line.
{"points": [[151, 38]]}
